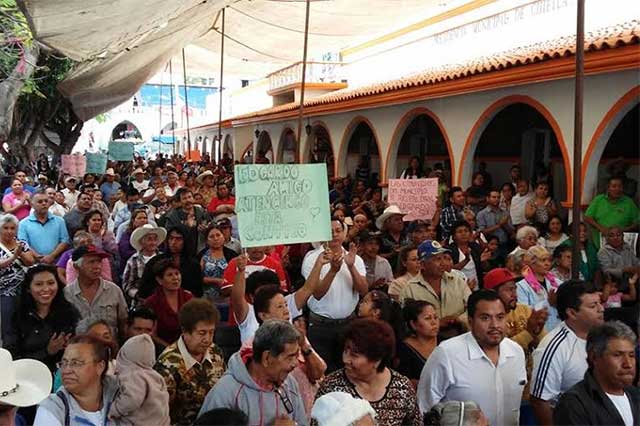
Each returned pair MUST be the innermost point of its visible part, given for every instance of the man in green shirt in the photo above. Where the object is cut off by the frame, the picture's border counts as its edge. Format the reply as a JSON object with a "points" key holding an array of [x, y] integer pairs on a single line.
{"points": [[612, 209]]}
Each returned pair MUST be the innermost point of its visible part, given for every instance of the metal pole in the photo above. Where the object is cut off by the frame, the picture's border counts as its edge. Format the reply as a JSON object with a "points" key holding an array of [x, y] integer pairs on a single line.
{"points": [[160, 121], [577, 140], [217, 155], [186, 104], [304, 80], [173, 122]]}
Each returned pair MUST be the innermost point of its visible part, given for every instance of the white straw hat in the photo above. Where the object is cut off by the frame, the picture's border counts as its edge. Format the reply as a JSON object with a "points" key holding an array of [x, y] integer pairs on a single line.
{"points": [[136, 237], [388, 212], [24, 382]]}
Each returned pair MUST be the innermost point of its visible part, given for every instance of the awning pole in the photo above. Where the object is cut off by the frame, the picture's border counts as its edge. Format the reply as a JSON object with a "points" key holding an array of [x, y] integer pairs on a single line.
{"points": [[304, 80], [218, 156], [173, 123], [577, 141], [186, 104]]}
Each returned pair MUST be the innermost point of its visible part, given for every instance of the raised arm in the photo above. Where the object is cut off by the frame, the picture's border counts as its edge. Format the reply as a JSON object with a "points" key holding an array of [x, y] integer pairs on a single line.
{"points": [[359, 281], [301, 296], [239, 303]]}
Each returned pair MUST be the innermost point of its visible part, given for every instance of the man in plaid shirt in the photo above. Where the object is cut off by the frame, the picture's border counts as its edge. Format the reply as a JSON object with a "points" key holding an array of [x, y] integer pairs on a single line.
{"points": [[452, 213]]}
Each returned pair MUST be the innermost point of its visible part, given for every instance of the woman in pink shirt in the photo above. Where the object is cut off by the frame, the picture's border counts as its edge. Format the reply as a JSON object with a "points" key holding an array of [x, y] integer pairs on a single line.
{"points": [[17, 202]]}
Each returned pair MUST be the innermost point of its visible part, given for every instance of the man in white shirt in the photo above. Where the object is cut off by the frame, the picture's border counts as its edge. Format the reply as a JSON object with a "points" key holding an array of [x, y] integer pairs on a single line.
{"points": [[139, 182], [606, 396], [481, 366], [335, 298], [560, 360], [70, 192]]}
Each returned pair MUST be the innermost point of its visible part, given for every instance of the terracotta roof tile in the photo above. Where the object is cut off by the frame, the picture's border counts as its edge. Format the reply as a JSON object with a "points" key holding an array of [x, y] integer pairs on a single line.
{"points": [[620, 35]]}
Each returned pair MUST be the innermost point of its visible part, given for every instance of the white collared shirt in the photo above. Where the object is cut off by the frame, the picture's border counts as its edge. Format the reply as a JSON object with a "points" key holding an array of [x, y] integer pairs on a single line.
{"points": [[341, 299], [459, 370], [189, 360]]}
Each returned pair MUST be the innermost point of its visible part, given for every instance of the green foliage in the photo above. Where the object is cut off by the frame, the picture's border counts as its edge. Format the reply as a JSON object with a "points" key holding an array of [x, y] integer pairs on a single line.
{"points": [[15, 35]]}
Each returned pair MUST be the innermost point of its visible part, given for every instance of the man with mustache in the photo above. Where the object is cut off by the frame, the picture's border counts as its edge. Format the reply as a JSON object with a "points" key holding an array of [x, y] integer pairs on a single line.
{"points": [[606, 396], [481, 365]]}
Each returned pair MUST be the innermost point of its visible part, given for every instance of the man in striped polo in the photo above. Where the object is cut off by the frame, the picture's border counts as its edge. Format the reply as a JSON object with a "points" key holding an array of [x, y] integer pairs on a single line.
{"points": [[560, 361]]}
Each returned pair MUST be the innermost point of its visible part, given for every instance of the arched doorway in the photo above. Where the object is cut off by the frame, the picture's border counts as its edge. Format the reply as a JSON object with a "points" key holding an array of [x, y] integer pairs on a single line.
{"points": [[616, 137], [420, 134], [287, 148], [518, 130], [361, 147], [264, 149], [320, 148], [125, 130], [621, 154]]}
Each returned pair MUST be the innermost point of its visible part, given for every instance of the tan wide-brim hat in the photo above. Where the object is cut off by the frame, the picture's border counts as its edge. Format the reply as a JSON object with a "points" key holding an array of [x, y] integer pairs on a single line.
{"points": [[203, 175], [388, 212], [109, 172], [24, 382], [137, 172], [136, 237]]}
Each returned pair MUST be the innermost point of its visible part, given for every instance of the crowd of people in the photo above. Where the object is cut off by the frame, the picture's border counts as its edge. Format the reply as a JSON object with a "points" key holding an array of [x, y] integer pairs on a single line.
{"points": [[128, 299]]}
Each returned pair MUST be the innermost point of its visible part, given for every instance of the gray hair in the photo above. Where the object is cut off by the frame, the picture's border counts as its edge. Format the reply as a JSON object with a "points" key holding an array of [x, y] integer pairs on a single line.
{"points": [[8, 218], [79, 237], [454, 413], [599, 337], [522, 233], [272, 336]]}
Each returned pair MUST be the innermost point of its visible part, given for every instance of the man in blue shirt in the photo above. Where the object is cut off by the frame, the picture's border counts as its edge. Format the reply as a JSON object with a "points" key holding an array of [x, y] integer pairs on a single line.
{"points": [[22, 177], [110, 187], [45, 233]]}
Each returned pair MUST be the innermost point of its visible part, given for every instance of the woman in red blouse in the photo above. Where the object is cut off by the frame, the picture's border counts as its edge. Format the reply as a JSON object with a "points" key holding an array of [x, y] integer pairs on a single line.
{"points": [[166, 300]]}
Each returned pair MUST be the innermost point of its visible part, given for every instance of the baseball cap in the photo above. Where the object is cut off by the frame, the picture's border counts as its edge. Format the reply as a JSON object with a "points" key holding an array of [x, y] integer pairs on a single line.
{"points": [[429, 248], [89, 250], [497, 277]]}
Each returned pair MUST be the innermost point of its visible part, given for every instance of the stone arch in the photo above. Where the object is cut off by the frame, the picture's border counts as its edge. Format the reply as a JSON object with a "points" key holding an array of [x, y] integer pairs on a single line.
{"points": [[402, 126], [465, 165], [343, 150], [600, 139]]}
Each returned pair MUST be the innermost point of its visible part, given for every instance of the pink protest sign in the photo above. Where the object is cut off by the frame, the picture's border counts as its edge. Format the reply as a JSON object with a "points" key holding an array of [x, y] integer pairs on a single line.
{"points": [[74, 165], [415, 197]]}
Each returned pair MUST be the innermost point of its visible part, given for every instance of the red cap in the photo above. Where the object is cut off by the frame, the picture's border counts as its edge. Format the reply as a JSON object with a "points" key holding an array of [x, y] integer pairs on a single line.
{"points": [[497, 277]]}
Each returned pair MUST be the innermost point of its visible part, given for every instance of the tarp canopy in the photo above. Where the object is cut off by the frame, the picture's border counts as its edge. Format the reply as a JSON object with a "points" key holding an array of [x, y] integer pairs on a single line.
{"points": [[121, 44]]}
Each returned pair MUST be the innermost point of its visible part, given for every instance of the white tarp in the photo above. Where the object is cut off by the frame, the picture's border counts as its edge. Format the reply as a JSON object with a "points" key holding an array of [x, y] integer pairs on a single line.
{"points": [[121, 44]]}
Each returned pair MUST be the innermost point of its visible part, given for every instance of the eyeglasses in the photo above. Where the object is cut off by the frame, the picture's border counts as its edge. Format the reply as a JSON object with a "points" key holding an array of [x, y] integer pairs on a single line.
{"points": [[74, 364], [288, 405]]}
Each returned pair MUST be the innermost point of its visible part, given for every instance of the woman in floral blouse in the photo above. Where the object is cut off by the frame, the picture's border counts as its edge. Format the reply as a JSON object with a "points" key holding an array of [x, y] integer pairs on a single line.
{"points": [[368, 353]]}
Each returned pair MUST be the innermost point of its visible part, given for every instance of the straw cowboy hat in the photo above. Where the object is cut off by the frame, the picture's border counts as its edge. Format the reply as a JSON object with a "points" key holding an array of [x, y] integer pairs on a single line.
{"points": [[24, 382], [203, 175], [340, 409], [137, 171], [109, 172], [388, 212], [140, 233]]}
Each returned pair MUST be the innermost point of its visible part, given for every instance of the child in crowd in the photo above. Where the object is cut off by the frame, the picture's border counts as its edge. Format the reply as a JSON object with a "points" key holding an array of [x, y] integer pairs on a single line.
{"points": [[142, 397], [611, 295]]}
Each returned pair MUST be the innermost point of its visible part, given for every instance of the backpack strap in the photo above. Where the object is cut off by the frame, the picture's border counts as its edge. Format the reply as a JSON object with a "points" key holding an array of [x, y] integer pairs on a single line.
{"points": [[65, 401]]}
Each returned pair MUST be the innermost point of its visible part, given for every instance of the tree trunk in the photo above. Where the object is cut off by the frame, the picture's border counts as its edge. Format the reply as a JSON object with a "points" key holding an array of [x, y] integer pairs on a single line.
{"points": [[11, 87]]}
